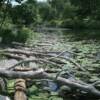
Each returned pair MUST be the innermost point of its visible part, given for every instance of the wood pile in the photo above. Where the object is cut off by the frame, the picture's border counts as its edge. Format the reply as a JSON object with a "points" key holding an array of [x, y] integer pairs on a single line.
{"points": [[40, 61]]}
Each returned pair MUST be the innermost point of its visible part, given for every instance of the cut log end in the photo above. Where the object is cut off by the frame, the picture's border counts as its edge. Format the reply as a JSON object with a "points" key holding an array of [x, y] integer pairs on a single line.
{"points": [[20, 89]]}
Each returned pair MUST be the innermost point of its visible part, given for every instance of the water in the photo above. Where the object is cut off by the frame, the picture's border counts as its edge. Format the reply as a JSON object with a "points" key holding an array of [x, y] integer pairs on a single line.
{"points": [[4, 97], [83, 34]]}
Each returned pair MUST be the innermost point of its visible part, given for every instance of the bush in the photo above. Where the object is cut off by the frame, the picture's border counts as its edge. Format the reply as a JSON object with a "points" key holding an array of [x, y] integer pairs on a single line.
{"points": [[15, 34], [23, 34], [7, 36]]}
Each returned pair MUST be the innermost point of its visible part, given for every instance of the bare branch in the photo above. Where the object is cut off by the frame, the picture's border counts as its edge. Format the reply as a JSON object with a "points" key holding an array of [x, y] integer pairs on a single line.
{"points": [[29, 53], [33, 60], [40, 74], [76, 84], [10, 55], [19, 74], [96, 83]]}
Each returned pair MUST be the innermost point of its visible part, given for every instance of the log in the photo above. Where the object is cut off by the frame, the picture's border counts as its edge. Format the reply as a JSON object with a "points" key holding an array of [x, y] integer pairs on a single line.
{"points": [[17, 57], [34, 60], [20, 90], [40, 74], [29, 53], [20, 74]]}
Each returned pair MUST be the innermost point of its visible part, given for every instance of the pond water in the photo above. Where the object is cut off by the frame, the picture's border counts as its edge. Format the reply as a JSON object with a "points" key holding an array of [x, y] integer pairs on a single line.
{"points": [[84, 49], [4, 98], [83, 42]]}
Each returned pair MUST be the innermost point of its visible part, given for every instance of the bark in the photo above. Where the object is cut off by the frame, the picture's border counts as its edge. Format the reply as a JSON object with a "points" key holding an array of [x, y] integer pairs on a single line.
{"points": [[20, 74], [34, 60], [30, 53], [40, 74], [20, 90]]}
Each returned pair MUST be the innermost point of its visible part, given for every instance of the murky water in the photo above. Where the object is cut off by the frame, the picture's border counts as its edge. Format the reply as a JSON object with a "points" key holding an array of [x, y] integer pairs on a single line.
{"points": [[4, 98]]}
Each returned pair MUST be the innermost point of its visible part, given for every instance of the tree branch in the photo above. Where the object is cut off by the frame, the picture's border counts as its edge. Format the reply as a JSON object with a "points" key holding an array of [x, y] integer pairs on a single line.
{"points": [[32, 60], [20, 74], [40, 74]]}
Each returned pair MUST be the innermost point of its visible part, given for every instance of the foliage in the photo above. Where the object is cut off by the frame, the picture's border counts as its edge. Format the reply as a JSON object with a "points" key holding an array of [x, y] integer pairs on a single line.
{"points": [[61, 13], [24, 14], [75, 14], [21, 34], [83, 14]]}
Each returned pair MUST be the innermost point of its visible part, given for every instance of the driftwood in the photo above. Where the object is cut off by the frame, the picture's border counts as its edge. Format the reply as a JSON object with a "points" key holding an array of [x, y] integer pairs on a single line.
{"points": [[41, 74], [35, 44], [24, 56], [47, 52], [39, 54], [9, 55], [34, 60], [18, 74]]}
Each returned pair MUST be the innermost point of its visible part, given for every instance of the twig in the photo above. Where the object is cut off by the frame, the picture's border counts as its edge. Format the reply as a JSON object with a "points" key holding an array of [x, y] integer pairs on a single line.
{"points": [[96, 83], [74, 63], [57, 55]]}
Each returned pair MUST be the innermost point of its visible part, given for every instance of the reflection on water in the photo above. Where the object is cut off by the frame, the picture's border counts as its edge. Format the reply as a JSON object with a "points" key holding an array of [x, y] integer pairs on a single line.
{"points": [[4, 98], [83, 34], [79, 34]]}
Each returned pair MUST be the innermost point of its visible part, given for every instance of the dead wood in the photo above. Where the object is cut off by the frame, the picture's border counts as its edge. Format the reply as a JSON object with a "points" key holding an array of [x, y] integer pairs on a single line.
{"points": [[34, 60], [20, 74], [20, 90], [30, 53], [40, 74], [14, 56]]}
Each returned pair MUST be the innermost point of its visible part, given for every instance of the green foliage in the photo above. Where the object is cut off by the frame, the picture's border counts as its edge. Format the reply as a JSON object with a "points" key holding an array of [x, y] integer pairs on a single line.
{"points": [[23, 34], [71, 13], [11, 34], [24, 14], [6, 33], [62, 13]]}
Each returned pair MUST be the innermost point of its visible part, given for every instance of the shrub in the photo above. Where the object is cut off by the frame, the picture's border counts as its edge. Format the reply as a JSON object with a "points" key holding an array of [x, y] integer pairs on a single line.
{"points": [[7, 36], [23, 34], [15, 34]]}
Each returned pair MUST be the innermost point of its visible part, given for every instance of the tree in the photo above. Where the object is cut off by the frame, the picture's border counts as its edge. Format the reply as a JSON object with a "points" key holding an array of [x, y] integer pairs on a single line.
{"points": [[23, 14]]}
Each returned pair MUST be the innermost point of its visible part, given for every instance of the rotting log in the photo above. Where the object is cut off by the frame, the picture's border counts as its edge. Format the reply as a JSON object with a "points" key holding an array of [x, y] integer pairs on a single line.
{"points": [[20, 90], [41, 74]]}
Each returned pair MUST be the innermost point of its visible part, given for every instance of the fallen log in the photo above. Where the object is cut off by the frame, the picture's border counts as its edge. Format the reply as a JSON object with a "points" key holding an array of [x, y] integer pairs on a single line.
{"points": [[29, 53], [14, 56], [40, 74], [33, 60], [20, 74]]}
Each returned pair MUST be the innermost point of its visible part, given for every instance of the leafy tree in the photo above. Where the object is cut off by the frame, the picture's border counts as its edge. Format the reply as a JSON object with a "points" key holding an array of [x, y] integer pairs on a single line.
{"points": [[23, 14]]}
